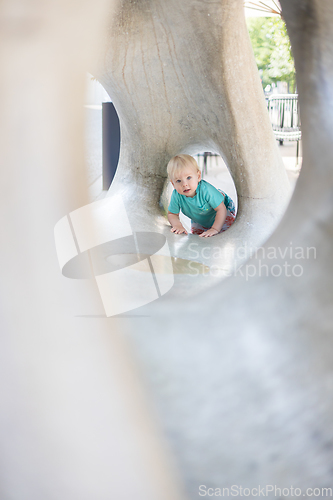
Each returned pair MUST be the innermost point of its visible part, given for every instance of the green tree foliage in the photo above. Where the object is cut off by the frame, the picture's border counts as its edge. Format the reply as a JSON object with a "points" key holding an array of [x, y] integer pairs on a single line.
{"points": [[272, 50]]}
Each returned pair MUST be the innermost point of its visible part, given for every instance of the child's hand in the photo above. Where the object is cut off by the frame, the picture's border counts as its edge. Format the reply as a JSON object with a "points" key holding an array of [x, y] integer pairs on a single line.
{"points": [[179, 229], [210, 232]]}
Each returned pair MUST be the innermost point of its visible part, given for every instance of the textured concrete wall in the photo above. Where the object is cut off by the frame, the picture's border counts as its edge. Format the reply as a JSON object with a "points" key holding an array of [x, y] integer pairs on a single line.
{"points": [[242, 375], [183, 79], [74, 422]]}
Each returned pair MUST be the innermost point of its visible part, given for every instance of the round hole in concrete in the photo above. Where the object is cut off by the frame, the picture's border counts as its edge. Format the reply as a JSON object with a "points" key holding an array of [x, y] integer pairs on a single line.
{"points": [[215, 171]]}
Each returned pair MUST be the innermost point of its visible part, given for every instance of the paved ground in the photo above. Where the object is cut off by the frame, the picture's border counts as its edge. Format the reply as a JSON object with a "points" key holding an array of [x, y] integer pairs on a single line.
{"points": [[288, 152]]}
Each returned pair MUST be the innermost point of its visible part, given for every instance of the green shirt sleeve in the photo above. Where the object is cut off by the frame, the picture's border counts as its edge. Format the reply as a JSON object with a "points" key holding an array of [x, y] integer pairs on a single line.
{"points": [[174, 206], [213, 196]]}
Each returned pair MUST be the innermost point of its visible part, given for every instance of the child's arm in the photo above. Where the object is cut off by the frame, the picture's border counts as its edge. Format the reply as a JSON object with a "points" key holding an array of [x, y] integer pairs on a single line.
{"points": [[221, 213], [177, 226]]}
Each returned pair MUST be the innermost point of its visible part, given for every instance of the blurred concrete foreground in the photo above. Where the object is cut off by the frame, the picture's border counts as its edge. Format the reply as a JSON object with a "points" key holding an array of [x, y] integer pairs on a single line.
{"points": [[217, 382]]}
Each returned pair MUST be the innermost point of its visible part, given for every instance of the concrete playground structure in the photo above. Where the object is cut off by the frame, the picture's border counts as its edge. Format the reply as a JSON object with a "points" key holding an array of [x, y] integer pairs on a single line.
{"points": [[181, 84], [232, 386]]}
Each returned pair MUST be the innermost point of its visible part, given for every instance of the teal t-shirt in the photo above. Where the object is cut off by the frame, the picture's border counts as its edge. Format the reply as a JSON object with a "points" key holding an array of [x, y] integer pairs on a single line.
{"points": [[200, 208]]}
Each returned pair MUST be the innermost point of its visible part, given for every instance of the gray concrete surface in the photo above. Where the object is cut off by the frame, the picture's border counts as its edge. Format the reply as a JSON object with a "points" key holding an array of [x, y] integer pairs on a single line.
{"points": [[218, 175], [239, 376], [180, 84], [75, 423]]}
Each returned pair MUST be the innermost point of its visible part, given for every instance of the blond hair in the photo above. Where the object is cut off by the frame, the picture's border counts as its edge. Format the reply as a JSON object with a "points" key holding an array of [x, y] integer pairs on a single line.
{"points": [[179, 163]]}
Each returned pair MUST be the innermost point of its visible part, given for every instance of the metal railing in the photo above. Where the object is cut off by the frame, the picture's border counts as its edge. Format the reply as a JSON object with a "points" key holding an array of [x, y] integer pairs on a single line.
{"points": [[283, 112], [205, 156]]}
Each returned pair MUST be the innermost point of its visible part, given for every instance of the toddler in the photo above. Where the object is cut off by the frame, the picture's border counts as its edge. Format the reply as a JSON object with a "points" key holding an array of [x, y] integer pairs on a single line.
{"points": [[211, 211]]}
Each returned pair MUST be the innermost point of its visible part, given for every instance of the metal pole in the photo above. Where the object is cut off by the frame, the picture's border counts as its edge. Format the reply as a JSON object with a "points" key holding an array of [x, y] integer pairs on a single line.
{"points": [[110, 141]]}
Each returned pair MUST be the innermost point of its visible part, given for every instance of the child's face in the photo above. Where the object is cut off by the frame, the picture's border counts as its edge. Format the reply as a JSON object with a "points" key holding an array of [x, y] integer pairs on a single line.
{"points": [[186, 181]]}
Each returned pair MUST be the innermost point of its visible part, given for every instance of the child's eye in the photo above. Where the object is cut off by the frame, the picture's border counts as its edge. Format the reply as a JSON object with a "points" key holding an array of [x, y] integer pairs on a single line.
{"points": [[189, 177], [178, 180]]}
